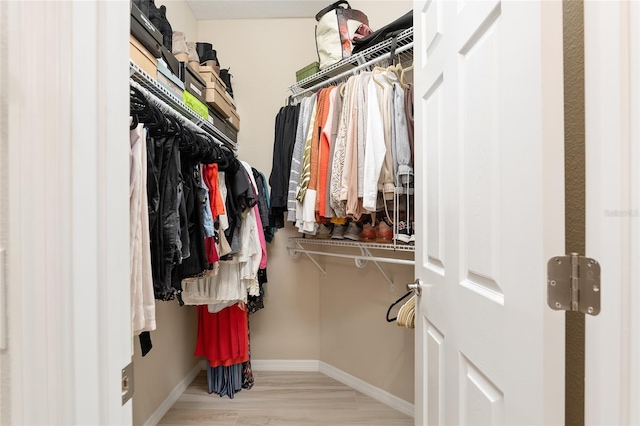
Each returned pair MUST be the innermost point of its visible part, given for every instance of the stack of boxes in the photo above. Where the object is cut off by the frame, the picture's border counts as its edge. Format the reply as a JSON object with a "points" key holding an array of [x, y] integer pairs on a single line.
{"points": [[201, 90], [218, 97]]}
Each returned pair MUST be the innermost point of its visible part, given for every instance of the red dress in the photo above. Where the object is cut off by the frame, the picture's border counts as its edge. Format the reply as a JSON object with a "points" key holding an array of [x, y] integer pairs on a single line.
{"points": [[223, 336]]}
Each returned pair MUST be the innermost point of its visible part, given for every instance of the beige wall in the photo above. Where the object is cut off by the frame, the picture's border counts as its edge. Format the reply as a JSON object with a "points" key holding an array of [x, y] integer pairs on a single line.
{"points": [[180, 17], [355, 336], [340, 319], [171, 358], [262, 57]]}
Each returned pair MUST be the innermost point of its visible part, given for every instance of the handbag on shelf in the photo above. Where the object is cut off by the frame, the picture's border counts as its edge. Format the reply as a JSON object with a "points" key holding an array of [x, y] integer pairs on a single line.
{"points": [[336, 29], [392, 29]]}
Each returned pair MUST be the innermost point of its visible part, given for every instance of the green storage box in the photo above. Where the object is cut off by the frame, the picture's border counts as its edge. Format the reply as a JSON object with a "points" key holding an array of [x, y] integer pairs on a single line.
{"points": [[308, 71], [195, 104]]}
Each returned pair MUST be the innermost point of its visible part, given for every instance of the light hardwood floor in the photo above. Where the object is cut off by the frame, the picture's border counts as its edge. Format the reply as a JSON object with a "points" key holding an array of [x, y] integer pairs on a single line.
{"points": [[282, 398]]}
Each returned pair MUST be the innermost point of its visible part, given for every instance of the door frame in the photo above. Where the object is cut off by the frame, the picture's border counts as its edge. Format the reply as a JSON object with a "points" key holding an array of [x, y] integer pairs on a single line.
{"points": [[612, 113], [68, 233]]}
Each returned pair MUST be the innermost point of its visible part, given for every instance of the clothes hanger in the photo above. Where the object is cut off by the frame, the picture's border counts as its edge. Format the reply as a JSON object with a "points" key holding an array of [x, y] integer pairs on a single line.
{"points": [[378, 71], [394, 304], [404, 71]]}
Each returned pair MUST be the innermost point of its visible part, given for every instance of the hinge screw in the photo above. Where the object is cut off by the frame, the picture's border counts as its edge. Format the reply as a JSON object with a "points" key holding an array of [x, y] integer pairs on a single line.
{"points": [[558, 305], [596, 288], [590, 309], [552, 282]]}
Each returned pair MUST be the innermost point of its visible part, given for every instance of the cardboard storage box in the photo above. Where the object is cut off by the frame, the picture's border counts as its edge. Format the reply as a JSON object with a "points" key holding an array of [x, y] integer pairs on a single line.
{"points": [[142, 57], [231, 132], [234, 120], [217, 97], [210, 77], [143, 30], [195, 104], [170, 81], [172, 63], [193, 83], [307, 71]]}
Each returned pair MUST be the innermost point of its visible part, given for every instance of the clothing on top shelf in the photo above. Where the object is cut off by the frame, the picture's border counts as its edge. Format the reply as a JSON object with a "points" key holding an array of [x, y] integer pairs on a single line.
{"points": [[352, 151]]}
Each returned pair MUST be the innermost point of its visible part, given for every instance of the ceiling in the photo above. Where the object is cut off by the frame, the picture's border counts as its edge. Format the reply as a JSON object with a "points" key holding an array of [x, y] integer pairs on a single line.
{"points": [[255, 9]]}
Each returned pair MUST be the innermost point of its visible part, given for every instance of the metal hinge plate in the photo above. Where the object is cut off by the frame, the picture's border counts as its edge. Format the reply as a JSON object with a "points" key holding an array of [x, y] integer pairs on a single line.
{"points": [[127, 383], [573, 284]]}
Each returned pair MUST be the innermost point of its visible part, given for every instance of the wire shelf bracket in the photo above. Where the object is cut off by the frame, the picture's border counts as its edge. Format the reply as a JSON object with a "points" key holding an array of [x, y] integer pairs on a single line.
{"points": [[361, 260]]}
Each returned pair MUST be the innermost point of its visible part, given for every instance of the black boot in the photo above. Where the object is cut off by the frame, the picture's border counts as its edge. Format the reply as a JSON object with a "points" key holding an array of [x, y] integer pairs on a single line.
{"points": [[165, 29], [154, 14], [225, 76], [143, 5], [202, 49]]}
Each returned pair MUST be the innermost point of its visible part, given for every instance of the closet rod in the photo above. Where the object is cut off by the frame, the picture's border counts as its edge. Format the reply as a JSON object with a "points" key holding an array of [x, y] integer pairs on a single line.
{"points": [[168, 110], [354, 70]]}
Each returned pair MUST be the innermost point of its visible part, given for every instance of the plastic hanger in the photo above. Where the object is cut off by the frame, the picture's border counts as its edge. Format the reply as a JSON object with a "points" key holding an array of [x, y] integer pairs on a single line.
{"points": [[402, 74], [394, 304]]}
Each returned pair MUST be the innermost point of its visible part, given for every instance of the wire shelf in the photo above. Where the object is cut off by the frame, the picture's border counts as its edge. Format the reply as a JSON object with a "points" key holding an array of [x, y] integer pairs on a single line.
{"points": [[377, 51], [148, 83], [358, 244]]}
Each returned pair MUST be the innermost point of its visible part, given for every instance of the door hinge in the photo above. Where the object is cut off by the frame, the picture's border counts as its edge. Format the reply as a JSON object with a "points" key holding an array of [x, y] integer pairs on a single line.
{"points": [[573, 284], [127, 383]]}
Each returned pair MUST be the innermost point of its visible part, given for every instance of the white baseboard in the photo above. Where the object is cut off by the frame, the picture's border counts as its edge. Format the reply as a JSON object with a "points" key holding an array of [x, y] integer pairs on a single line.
{"points": [[368, 389], [285, 365], [174, 395]]}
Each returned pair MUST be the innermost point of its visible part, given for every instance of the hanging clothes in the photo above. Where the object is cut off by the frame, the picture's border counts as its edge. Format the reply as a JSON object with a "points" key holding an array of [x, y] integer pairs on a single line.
{"points": [[352, 152], [142, 298], [223, 336], [284, 141]]}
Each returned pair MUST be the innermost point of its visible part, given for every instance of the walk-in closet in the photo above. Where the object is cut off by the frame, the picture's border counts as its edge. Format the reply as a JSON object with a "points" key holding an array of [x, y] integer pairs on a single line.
{"points": [[321, 322], [319, 213]]}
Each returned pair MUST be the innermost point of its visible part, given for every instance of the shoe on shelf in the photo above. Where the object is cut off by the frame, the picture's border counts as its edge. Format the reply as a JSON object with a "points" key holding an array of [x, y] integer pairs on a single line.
{"points": [[412, 238], [324, 231], [368, 234], [203, 48], [353, 232], [194, 60], [179, 47], [339, 232], [402, 233], [385, 233]]}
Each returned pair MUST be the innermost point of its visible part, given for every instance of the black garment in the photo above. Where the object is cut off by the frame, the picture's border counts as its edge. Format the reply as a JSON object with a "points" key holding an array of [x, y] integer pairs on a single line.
{"points": [[194, 199], [255, 303], [263, 206], [390, 30], [145, 342], [163, 175], [283, 144]]}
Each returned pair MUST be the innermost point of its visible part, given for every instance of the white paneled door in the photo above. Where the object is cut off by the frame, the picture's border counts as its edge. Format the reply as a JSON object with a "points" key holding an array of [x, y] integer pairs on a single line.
{"points": [[489, 134]]}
